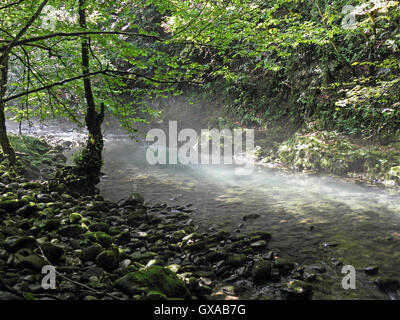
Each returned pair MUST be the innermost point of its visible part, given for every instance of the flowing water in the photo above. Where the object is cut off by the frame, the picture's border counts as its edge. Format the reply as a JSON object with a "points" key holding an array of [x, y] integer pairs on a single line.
{"points": [[304, 213]]}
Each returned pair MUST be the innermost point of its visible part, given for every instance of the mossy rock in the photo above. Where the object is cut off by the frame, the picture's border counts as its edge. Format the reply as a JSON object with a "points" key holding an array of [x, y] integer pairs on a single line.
{"points": [[90, 253], [216, 256], [11, 205], [108, 259], [99, 237], [261, 272], [99, 226], [154, 278], [156, 295], [33, 262], [28, 210], [236, 260], [298, 290], [71, 231], [75, 217]]}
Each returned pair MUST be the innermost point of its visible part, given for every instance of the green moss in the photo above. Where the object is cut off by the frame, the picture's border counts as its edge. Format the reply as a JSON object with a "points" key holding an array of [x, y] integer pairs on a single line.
{"points": [[154, 278], [75, 217], [99, 237]]}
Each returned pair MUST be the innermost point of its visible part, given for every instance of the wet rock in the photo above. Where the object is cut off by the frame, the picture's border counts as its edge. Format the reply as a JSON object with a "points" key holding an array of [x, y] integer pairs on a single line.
{"points": [[262, 234], [309, 276], [135, 219], [261, 272], [93, 272], [251, 216], [99, 226], [216, 256], [371, 270], [259, 245], [52, 224], [97, 206], [108, 260], [28, 211], [75, 217], [90, 253], [70, 231], [123, 238], [317, 268], [387, 284], [134, 199], [155, 278], [285, 266], [297, 290], [329, 244], [236, 260], [11, 205], [33, 262], [52, 252], [156, 295], [196, 246], [9, 296], [14, 243], [99, 237], [44, 197]]}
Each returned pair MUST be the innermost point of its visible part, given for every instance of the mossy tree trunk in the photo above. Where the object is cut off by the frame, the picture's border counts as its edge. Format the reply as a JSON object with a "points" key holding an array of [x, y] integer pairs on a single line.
{"points": [[4, 141], [91, 160]]}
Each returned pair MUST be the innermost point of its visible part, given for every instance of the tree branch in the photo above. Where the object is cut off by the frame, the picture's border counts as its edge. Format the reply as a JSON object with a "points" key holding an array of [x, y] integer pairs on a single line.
{"points": [[11, 4], [20, 34]]}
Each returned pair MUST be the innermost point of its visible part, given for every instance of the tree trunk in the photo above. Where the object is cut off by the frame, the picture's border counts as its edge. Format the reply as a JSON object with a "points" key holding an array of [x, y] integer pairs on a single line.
{"points": [[4, 142], [91, 160]]}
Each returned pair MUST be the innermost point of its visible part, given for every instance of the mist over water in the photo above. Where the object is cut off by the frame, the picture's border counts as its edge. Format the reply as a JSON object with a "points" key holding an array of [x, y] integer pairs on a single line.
{"points": [[304, 213]]}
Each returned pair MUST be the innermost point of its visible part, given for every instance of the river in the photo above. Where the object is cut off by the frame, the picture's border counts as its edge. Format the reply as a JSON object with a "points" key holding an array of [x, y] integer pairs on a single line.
{"points": [[313, 219]]}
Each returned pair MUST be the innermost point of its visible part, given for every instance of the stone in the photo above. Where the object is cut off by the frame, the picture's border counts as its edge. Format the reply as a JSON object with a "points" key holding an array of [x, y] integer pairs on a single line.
{"points": [[33, 262], [28, 211], [99, 237], [387, 283], [90, 253], [135, 219], [215, 256], [251, 216], [93, 272], [371, 270], [44, 197], [123, 238], [284, 265], [236, 260], [52, 224], [52, 252], [70, 231], [297, 290], [14, 243], [261, 271], [259, 245], [11, 205], [9, 296], [99, 226], [75, 217], [108, 260], [154, 278]]}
